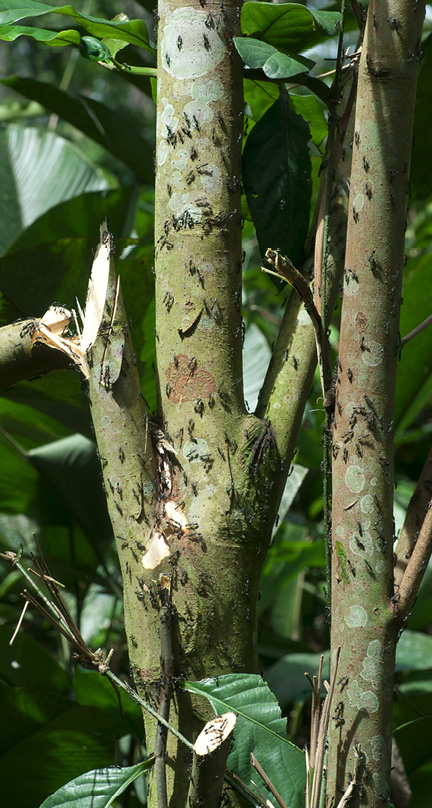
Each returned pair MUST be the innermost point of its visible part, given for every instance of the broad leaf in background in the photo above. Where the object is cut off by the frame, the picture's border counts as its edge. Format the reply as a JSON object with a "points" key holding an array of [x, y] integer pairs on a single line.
{"points": [[71, 470], [28, 189], [287, 680], [59, 749], [275, 65], [414, 372], [27, 665], [256, 357], [95, 120], [260, 95], [291, 552], [56, 39], [97, 788], [82, 216], [288, 26], [260, 729], [414, 651], [277, 179], [132, 31], [311, 111], [93, 690]]}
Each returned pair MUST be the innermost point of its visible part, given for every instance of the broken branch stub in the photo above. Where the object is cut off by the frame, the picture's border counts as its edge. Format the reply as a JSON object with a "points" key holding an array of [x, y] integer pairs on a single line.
{"points": [[209, 761]]}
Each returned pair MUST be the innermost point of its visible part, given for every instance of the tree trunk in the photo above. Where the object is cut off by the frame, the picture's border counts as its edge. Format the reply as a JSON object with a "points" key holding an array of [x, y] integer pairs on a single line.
{"points": [[362, 614]]}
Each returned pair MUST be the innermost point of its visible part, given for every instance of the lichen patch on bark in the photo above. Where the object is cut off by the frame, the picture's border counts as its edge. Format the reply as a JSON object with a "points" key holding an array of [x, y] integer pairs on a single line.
{"points": [[187, 381]]}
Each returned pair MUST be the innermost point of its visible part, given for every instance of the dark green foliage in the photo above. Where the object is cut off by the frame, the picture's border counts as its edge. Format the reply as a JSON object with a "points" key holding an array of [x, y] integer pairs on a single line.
{"points": [[277, 179]]}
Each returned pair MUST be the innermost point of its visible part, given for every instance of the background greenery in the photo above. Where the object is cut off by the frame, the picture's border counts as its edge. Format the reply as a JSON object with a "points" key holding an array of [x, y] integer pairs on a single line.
{"points": [[76, 145]]}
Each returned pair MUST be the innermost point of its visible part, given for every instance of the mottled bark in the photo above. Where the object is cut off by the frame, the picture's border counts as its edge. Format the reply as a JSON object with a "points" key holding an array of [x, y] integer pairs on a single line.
{"points": [[363, 622]]}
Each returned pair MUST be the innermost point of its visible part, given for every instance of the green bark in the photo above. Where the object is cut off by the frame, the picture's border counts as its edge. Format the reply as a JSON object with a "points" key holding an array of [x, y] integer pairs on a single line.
{"points": [[362, 613]]}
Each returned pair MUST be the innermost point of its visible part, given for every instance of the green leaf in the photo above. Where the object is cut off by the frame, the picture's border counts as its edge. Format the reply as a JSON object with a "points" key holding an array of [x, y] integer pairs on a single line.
{"points": [[98, 788], [94, 690], [260, 729], [24, 711], [277, 179], [9, 33], [256, 356], [72, 471], [288, 26], [414, 372], [114, 45], [414, 651], [276, 65], [311, 111], [260, 95], [95, 120], [58, 750], [93, 49], [26, 664], [131, 31], [38, 170], [286, 678], [81, 216]]}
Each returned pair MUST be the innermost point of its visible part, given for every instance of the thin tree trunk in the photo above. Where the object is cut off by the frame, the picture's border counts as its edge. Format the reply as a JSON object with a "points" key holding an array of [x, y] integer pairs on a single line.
{"points": [[362, 617]]}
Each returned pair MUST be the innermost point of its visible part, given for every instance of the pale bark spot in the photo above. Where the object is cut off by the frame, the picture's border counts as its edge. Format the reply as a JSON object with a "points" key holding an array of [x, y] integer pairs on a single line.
{"points": [[374, 354], [354, 479], [356, 617], [190, 48], [366, 504]]}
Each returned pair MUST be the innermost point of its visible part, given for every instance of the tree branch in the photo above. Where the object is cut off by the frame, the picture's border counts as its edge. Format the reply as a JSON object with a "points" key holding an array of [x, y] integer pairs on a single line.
{"points": [[286, 387], [414, 518], [20, 360]]}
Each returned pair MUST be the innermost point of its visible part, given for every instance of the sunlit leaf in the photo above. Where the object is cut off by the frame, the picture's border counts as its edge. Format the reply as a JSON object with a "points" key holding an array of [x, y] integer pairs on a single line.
{"points": [[29, 189], [131, 31], [288, 26], [260, 729], [275, 65], [98, 788]]}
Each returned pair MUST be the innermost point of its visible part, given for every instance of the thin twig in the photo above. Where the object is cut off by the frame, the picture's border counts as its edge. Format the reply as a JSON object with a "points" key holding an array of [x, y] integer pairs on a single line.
{"points": [[417, 330], [18, 625], [267, 781], [322, 735]]}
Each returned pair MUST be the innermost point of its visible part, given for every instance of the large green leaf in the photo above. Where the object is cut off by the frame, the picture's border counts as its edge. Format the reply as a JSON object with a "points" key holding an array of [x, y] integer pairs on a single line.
{"points": [[260, 95], [414, 651], [287, 26], [311, 111], [82, 216], [8, 33], [24, 711], [132, 31], [287, 679], [71, 469], [256, 357], [97, 788], [277, 179], [25, 664], [276, 65], [414, 372], [260, 729], [95, 120], [58, 750], [37, 171], [94, 690]]}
